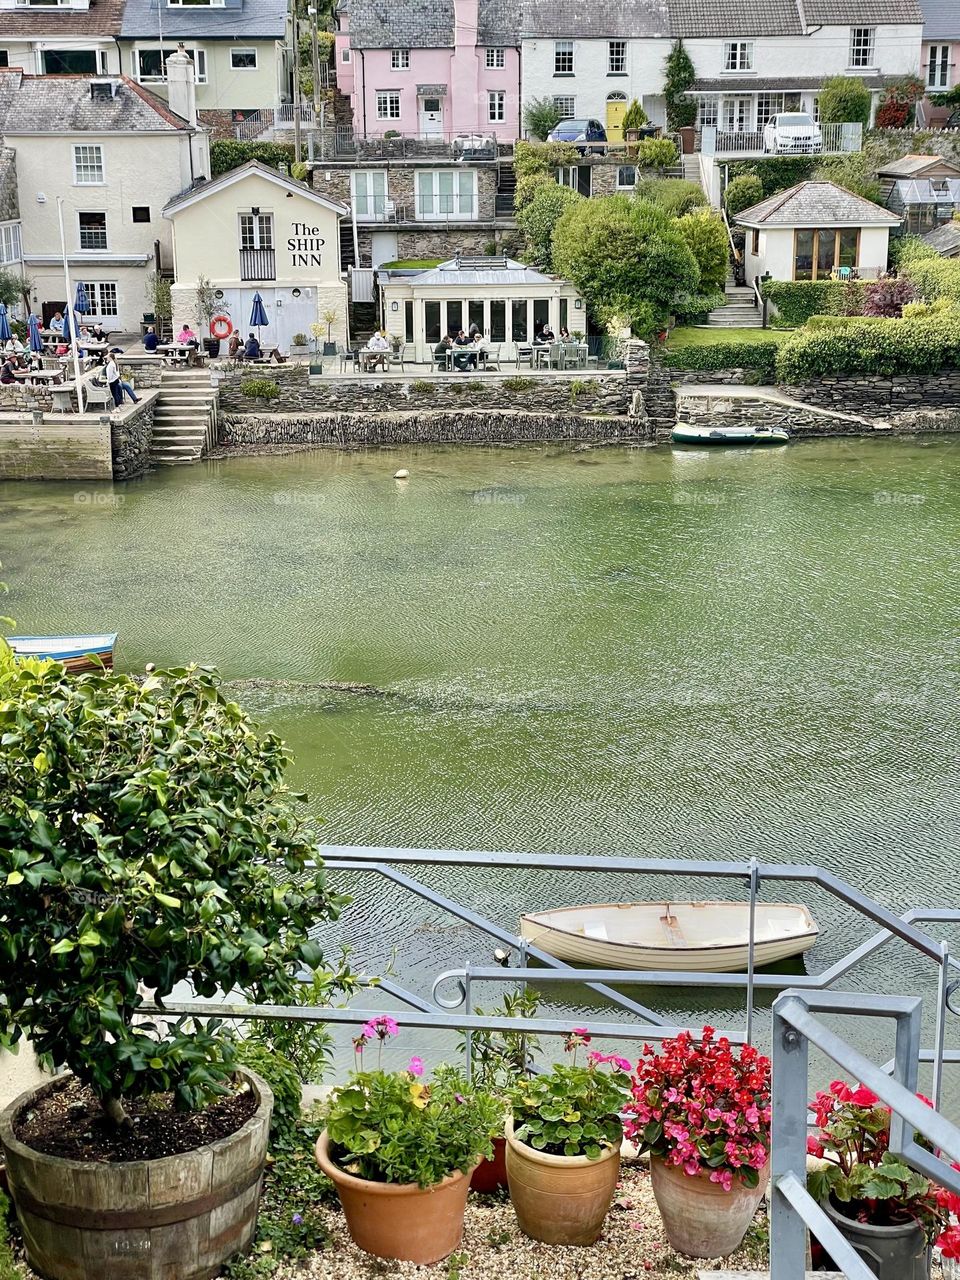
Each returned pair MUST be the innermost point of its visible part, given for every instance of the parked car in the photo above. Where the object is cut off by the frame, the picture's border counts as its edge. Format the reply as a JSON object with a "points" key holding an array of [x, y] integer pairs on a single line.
{"points": [[792, 132], [589, 134]]}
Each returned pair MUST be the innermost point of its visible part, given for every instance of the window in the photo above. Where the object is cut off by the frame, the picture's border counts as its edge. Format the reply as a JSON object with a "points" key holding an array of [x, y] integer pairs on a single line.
{"points": [[206, 4], [541, 314], [70, 62], [10, 243], [408, 320], [707, 113], [769, 104], [518, 319], [93, 230], [369, 195], [102, 297], [140, 213], [736, 115], [243, 59], [496, 105], [399, 59], [563, 58], [498, 321], [454, 318], [431, 322], [446, 193], [817, 252], [577, 177], [861, 46], [475, 315], [256, 230], [4, 58], [567, 106], [755, 241], [150, 67], [388, 106], [626, 177], [345, 54], [738, 55], [496, 58], [617, 58], [87, 165], [938, 66]]}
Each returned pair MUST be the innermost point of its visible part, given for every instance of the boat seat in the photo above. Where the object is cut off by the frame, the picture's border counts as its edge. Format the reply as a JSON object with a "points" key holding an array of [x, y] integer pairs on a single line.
{"points": [[595, 929]]}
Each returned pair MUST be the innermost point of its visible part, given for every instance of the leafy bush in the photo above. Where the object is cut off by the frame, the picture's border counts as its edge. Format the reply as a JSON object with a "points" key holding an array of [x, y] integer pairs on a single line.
{"points": [[888, 297], [854, 172], [776, 173], [422, 387], [798, 300], [655, 153], [898, 104], [676, 195], [742, 193], [230, 153], [281, 1075], [935, 277], [884, 347], [725, 355], [538, 217], [678, 76], [635, 117], [259, 389], [518, 384], [9, 1269], [843, 100], [907, 249], [300, 340], [146, 839], [706, 235], [540, 116], [543, 157], [920, 310]]}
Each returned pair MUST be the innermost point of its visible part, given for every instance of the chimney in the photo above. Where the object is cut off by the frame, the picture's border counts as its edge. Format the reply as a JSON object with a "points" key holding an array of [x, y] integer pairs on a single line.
{"points": [[181, 86]]}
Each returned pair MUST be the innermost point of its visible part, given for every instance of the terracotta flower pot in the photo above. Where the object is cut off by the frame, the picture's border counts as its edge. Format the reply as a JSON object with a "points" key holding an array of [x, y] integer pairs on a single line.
{"points": [[491, 1175], [399, 1220], [700, 1218], [560, 1199]]}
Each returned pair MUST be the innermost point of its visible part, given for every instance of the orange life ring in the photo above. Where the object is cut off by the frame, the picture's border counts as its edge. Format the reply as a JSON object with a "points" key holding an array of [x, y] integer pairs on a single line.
{"points": [[220, 327]]}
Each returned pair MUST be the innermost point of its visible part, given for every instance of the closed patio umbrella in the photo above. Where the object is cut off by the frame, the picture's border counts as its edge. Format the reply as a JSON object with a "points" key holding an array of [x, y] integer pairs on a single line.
{"points": [[33, 325], [81, 302], [5, 331], [258, 316]]}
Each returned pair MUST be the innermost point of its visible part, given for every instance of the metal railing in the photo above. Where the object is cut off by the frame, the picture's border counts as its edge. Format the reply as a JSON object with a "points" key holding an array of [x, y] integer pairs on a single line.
{"points": [[258, 264], [399, 146], [835, 139]]}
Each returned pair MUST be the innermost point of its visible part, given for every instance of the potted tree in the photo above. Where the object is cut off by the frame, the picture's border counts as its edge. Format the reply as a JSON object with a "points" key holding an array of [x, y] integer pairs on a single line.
{"points": [[891, 1214], [400, 1153], [147, 841], [703, 1113], [208, 305], [158, 299], [563, 1146], [329, 318]]}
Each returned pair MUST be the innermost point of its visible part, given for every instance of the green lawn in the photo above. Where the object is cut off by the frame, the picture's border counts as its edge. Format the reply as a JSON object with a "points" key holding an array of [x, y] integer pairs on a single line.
{"points": [[411, 264], [688, 336]]}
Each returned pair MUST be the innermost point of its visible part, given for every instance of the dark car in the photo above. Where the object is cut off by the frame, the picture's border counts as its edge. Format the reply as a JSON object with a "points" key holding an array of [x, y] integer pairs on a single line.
{"points": [[589, 135]]}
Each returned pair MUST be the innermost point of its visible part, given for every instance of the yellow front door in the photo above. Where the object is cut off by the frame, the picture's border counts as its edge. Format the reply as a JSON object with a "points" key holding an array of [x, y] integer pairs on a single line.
{"points": [[616, 110]]}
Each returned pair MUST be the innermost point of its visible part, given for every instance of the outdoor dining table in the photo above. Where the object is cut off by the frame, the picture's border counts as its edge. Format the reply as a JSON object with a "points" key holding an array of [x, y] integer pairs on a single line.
{"points": [[180, 351], [371, 358], [38, 375], [62, 393]]}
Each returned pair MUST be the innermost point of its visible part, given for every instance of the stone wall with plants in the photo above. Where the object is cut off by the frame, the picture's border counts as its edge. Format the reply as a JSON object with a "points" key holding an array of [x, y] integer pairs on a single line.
{"points": [[713, 360]]}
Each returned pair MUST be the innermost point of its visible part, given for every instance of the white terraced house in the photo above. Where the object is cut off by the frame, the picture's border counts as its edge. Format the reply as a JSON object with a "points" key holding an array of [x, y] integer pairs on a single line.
{"points": [[753, 58]]}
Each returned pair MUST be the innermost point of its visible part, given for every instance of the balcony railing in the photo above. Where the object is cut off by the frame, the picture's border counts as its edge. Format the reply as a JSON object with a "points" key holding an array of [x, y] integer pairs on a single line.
{"points": [[835, 139], [258, 264], [441, 146]]}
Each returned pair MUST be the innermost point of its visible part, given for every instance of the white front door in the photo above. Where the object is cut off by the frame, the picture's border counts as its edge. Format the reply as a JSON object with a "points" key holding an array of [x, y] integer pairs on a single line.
{"points": [[431, 117], [736, 115]]}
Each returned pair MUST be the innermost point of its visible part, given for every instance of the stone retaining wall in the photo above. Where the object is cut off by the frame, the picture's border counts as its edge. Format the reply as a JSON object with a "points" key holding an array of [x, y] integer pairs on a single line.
{"points": [[881, 396], [742, 411], [131, 435], [89, 446]]}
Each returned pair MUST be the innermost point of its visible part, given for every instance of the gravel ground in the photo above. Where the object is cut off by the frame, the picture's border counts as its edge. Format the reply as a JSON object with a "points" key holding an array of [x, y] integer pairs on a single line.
{"points": [[632, 1246]]}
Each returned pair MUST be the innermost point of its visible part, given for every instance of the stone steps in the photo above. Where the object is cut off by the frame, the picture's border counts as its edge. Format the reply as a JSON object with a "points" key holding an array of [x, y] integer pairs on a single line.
{"points": [[183, 416]]}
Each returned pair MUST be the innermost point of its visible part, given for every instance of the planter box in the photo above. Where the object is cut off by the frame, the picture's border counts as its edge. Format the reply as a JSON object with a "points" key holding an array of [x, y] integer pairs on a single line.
{"points": [[329, 349]]}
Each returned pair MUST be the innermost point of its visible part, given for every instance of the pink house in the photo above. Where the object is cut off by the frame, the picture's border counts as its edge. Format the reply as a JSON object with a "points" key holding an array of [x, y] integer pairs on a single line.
{"points": [[431, 68], [940, 57]]}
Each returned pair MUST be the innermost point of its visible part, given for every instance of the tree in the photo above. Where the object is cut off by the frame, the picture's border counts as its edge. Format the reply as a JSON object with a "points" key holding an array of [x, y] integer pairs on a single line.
{"points": [[616, 247], [678, 77], [854, 172], [540, 215], [706, 235], [146, 838], [540, 116], [898, 104], [207, 302], [634, 117], [11, 287], [742, 193], [158, 295], [844, 100], [676, 195], [656, 153]]}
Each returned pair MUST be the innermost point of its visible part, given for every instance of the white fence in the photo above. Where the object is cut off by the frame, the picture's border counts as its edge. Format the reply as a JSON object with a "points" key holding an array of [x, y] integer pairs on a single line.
{"points": [[835, 139]]}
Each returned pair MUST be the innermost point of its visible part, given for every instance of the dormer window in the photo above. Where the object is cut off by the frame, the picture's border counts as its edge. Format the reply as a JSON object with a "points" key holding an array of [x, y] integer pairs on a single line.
{"points": [[205, 4]]}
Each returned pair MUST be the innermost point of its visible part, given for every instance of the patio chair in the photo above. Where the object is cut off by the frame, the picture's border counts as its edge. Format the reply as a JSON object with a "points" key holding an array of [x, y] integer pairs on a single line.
{"points": [[491, 358], [524, 354], [555, 356], [441, 363], [841, 273], [348, 356], [396, 356], [572, 355]]}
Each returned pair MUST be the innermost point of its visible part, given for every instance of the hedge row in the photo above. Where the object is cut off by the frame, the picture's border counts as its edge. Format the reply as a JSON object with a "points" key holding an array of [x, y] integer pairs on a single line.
{"points": [[885, 347], [797, 300], [934, 278], [776, 173], [725, 355], [231, 153]]}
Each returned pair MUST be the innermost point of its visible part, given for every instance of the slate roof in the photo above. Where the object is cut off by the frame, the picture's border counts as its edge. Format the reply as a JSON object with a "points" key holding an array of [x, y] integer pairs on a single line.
{"points": [[29, 23], [201, 189], [945, 239], [941, 19], [913, 166], [619, 19], [63, 104], [692, 18], [812, 204], [862, 13], [449, 273], [761, 84], [424, 24], [233, 20]]}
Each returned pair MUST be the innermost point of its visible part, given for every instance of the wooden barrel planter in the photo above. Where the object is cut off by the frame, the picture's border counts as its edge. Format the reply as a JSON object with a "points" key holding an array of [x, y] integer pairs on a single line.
{"points": [[180, 1216]]}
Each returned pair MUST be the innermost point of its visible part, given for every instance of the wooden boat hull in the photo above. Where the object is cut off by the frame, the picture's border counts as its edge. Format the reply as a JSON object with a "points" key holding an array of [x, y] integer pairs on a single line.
{"points": [[695, 936], [76, 653], [729, 435]]}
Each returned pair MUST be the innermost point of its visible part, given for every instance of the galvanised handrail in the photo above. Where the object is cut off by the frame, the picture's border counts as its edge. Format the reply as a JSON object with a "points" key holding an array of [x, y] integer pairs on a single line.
{"points": [[792, 1209]]}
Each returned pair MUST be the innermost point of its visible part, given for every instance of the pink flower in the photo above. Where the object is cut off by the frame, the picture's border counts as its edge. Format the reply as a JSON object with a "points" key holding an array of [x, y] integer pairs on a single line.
{"points": [[380, 1027], [814, 1148], [415, 1066], [863, 1097], [724, 1177]]}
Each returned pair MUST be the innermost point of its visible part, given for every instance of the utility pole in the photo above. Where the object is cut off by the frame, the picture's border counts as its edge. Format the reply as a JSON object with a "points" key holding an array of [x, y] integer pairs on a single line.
{"points": [[319, 102], [296, 86]]}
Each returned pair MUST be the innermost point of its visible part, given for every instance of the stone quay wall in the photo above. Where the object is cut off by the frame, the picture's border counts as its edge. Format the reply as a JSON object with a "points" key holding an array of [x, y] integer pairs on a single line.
{"points": [[803, 421], [881, 396], [89, 446], [131, 434]]}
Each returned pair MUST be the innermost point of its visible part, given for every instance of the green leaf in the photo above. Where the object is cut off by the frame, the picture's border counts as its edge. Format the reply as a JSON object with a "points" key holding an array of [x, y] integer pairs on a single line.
{"points": [[89, 938], [165, 900], [14, 877], [62, 947]]}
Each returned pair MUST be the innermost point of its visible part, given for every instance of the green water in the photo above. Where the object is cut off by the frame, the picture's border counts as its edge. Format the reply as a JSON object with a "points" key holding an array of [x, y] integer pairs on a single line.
{"points": [[661, 652]]}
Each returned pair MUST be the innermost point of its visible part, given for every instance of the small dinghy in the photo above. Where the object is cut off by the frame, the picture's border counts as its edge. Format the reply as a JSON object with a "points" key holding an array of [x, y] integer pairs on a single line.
{"points": [[77, 653], [683, 434], [710, 936]]}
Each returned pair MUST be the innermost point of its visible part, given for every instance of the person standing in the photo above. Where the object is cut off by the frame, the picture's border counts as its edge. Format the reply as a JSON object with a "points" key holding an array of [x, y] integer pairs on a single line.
{"points": [[116, 384]]}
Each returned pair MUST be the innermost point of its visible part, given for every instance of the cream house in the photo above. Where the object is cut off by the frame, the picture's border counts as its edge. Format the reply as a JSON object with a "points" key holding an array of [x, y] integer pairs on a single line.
{"points": [[254, 230]]}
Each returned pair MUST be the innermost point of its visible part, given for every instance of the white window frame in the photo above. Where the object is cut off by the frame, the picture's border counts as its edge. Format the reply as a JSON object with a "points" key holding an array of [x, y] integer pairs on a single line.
{"points": [[195, 4], [244, 49], [255, 230], [862, 47], [446, 193], [739, 108], [496, 106], [199, 60], [345, 53], [737, 56], [88, 161], [626, 186], [92, 248], [708, 113], [98, 291], [563, 98], [10, 248], [399, 59], [386, 100], [563, 64], [369, 194], [616, 57], [938, 67], [496, 58]]}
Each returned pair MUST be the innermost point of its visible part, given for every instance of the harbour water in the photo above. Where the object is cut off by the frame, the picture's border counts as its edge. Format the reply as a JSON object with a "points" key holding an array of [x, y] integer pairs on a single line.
{"points": [[662, 652]]}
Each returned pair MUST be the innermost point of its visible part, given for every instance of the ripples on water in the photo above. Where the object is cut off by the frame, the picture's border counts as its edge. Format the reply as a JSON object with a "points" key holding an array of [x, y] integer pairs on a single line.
{"points": [[658, 652]]}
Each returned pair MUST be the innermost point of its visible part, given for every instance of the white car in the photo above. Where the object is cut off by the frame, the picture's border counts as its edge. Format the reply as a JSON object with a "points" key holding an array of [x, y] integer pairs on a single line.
{"points": [[792, 132]]}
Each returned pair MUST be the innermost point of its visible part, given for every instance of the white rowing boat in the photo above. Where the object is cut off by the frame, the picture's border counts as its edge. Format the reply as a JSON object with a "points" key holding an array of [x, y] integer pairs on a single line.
{"points": [[710, 936]]}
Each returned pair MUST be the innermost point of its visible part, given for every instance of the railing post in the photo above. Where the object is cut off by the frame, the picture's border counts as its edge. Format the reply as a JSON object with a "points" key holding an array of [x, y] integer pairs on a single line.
{"points": [[468, 1035], [788, 1143], [751, 944], [942, 996]]}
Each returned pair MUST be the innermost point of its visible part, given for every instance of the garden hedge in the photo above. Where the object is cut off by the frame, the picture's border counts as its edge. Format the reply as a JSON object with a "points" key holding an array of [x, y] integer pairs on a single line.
{"points": [[934, 278], [230, 153], [776, 173], [871, 346], [797, 300], [725, 355]]}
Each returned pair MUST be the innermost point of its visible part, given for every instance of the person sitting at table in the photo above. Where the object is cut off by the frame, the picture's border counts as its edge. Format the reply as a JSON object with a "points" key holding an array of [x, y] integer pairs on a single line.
{"points": [[56, 322], [564, 334], [6, 372], [463, 360], [252, 349], [98, 333], [442, 351], [379, 346], [150, 339], [480, 348], [233, 350], [186, 337]]}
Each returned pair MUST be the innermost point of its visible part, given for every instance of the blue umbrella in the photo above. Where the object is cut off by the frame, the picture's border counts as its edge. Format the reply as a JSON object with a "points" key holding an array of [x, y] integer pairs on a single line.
{"points": [[33, 324], [258, 315], [81, 302], [5, 332], [67, 321]]}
